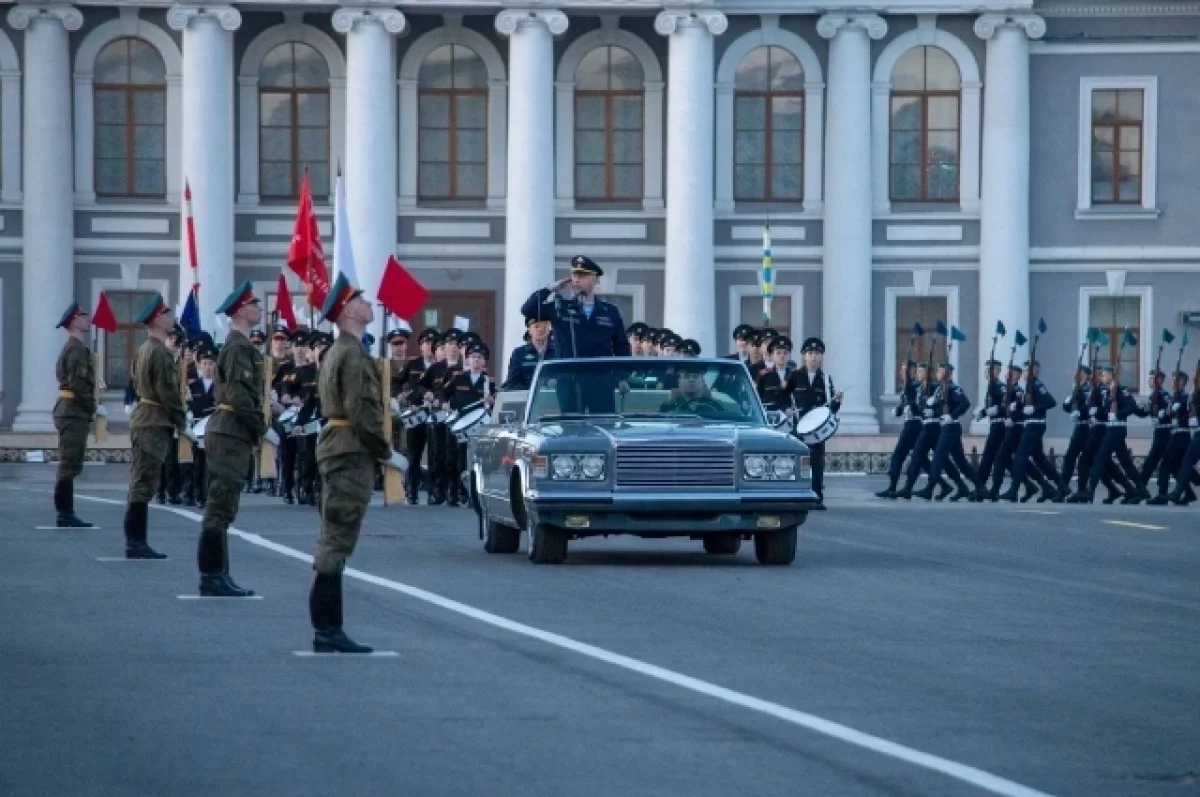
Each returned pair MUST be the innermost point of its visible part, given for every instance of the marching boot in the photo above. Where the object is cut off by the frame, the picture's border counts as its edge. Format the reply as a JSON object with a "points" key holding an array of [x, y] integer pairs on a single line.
{"points": [[944, 489], [890, 492], [213, 558], [1189, 495], [1162, 499], [925, 492], [1176, 496], [288, 499], [1011, 494], [907, 491], [137, 519], [325, 606], [1083, 495], [962, 492], [64, 502], [1030, 490]]}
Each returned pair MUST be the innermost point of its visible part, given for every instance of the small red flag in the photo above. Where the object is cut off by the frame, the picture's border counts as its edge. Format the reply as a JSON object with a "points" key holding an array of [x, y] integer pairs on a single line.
{"points": [[306, 256], [283, 303], [399, 291], [104, 318]]}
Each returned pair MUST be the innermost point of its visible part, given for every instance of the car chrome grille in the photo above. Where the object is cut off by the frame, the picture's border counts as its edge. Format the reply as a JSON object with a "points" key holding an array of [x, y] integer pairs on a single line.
{"points": [[673, 465]]}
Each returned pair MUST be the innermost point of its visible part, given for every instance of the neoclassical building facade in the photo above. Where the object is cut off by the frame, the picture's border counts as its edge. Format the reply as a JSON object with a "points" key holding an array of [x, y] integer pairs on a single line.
{"points": [[916, 160]]}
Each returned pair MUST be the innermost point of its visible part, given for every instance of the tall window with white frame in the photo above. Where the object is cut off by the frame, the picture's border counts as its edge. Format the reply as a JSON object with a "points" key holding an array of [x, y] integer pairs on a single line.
{"points": [[924, 127], [452, 125], [122, 345], [609, 154], [751, 312], [293, 121], [768, 112], [1117, 117], [923, 310], [130, 100], [1112, 315]]}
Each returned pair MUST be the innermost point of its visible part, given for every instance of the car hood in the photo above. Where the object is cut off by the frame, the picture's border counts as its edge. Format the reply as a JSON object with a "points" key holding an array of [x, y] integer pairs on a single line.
{"points": [[684, 431]]}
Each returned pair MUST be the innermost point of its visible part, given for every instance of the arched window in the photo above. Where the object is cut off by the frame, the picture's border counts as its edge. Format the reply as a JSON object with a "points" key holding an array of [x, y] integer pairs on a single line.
{"points": [[130, 95], [293, 121], [768, 162], [924, 127], [609, 160], [452, 124]]}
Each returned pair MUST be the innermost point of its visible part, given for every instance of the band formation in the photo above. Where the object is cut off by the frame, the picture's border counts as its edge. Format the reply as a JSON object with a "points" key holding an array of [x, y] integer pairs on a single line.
{"points": [[317, 420]]}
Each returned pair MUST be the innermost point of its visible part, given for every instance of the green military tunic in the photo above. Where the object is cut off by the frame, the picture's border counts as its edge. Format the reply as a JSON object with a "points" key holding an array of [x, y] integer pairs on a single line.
{"points": [[348, 448], [160, 413], [234, 430], [76, 405]]}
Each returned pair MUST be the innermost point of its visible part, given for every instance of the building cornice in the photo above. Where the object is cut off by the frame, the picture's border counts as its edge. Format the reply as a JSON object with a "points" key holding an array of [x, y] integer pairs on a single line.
{"points": [[1127, 9]]}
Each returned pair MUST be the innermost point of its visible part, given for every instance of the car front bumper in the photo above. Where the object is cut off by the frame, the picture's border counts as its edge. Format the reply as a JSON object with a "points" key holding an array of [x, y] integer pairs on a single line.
{"points": [[670, 514]]}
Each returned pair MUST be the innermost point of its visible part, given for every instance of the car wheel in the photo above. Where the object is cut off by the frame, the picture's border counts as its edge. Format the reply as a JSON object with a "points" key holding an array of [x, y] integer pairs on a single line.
{"points": [[501, 539], [547, 545], [776, 547], [723, 544]]}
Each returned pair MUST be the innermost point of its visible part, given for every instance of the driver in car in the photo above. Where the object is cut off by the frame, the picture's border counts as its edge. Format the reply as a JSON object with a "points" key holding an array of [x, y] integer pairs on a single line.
{"points": [[692, 394]]}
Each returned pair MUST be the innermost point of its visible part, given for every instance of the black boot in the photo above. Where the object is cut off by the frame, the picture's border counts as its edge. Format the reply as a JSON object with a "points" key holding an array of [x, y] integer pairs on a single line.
{"points": [[906, 492], [288, 499], [1159, 500], [925, 492], [1010, 495], [1081, 496], [1030, 490], [325, 608], [213, 558], [890, 492], [962, 492], [137, 519], [64, 502], [944, 489]]}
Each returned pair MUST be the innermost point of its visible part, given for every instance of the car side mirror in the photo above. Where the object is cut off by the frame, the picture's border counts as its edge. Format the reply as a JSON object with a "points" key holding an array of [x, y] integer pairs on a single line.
{"points": [[506, 417]]}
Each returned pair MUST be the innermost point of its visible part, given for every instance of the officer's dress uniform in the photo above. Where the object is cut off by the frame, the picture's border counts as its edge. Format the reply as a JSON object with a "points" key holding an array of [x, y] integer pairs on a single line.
{"points": [[950, 405], [153, 429], [461, 391], [1098, 412], [1186, 476], [522, 364], [435, 379], [809, 391], [73, 414], [1157, 409], [1077, 407], [931, 431], [233, 433], [995, 412], [417, 437], [909, 433], [201, 404], [1178, 423], [1114, 443], [1038, 402]]}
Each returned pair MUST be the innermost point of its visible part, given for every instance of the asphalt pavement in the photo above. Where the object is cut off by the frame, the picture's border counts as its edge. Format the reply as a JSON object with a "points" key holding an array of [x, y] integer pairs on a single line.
{"points": [[912, 649]]}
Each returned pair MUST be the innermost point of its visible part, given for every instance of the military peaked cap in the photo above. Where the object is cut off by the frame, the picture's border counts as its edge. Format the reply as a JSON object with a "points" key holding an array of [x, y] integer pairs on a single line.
{"points": [[583, 264]]}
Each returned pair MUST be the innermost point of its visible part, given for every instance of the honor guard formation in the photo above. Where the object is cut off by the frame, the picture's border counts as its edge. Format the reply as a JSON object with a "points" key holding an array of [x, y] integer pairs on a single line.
{"points": [[319, 420]]}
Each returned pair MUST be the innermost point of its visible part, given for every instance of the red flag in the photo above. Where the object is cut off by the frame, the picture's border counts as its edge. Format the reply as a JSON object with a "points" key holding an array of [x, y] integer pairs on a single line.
{"points": [[306, 257], [104, 318], [399, 291], [283, 304]]}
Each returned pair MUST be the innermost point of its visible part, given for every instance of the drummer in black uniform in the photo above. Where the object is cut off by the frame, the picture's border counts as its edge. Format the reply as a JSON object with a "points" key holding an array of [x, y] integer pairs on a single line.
{"points": [[810, 387], [430, 387], [409, 395], [773, 377], [465, 388]]}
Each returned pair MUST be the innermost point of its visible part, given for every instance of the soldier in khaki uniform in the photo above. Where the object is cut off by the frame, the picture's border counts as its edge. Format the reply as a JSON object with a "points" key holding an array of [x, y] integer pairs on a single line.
{"points": [[236, 428], [348, 449], [156, 422], [74, 411]]}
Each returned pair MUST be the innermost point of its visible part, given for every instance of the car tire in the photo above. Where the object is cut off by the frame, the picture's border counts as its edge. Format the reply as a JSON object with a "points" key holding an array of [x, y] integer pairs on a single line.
{"points": [[501, 539], [547, 545], [776, 547], [722, 544]]}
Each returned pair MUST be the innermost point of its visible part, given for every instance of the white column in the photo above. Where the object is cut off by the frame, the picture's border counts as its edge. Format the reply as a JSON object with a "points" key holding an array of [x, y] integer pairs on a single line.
{"points": [[10, 137], [371, 138], [1004, 211], [48, 273], [846, 278], [208, 147], [689, 306], [529, 214]]}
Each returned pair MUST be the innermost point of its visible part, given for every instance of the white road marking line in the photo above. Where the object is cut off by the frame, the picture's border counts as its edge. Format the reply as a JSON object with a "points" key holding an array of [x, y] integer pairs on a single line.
{"points": [[378, 654], [964, 773], [1146, 526], [127, 559], [218, 598], [1037, 512], [67, 528]]}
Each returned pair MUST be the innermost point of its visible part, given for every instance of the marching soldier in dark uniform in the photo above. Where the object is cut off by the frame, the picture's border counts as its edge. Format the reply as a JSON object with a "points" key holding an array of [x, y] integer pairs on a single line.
{"points": [[350, 446], [1115, 437], [1178, 422], [1100, 448], [1185, 477], [156, 422], [1037, 402], [73, 412], [950, 404], [931, 431], [201, 404], [1098, 408], [411, 395], [525, 359], [910, 431], [436, 377], [464, 388], [1077, 407], [811, 387], [1157, 409], [235, 430], [1014, 430], [772, 384], [995, 412]]}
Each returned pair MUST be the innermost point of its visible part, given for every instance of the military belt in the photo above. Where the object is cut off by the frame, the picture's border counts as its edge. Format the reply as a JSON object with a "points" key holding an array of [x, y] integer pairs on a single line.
{"points": [[66, 394], [339, 423], [151, 402], [1181, 431], [1036, 420], [1115, 423], [225, 407]]}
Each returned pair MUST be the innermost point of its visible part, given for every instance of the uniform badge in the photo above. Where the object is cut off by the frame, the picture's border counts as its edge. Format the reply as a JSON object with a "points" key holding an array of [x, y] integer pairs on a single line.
{"points": [[246, 374]]}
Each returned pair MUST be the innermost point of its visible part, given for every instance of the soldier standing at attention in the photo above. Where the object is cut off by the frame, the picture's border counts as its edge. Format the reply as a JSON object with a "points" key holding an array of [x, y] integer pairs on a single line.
{"points": [[73, 412], [349, 447], [772, 381], [155, 425], [235, 430]]}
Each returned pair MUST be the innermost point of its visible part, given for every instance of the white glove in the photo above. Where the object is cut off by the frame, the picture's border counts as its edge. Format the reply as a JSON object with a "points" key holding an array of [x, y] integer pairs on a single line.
{"points": [[946, 419], [128, 409], [101, 411], [272, 437], [1075, 415], [397, 461], [312, 427], [190, 417], [1094, 411], [1175, 407], [1162, 413], [1012, 407], [929, 402], [1026, 409], [1192, 422], [992, 412], [395, 405], [928, 413], [191, 435]]}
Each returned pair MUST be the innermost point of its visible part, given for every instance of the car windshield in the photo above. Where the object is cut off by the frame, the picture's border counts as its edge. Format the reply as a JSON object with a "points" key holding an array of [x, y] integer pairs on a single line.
{"points": [[644, 387]]}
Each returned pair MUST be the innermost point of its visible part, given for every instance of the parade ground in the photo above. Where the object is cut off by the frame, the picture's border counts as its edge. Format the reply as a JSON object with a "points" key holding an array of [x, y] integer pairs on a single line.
{"points": [[913, 649]]}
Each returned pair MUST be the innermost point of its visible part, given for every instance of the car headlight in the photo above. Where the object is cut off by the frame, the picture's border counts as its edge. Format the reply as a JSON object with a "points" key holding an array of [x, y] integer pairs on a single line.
{"points": [[769, 467], [577, 467]]}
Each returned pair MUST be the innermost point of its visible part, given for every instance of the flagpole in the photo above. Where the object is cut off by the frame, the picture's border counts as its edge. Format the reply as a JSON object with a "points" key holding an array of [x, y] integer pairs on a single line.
{"points": [[767, 274], [193, 259]]}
